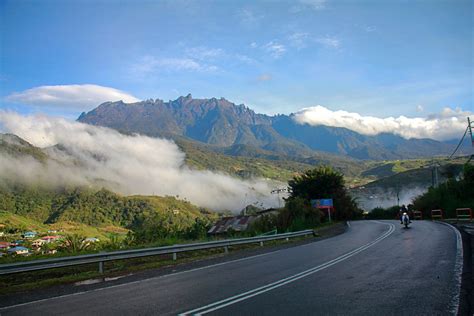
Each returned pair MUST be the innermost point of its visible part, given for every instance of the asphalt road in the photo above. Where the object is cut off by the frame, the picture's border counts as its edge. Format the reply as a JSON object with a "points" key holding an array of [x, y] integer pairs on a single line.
{"points": [[375, 268]]}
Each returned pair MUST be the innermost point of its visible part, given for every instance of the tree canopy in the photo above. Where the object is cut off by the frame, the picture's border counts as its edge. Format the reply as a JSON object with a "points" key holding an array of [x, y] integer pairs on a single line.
{"points": [[323, 182]]}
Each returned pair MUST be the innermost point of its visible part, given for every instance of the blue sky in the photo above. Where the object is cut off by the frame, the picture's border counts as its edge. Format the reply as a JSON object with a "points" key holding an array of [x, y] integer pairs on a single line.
{"points": [[377, 58]]}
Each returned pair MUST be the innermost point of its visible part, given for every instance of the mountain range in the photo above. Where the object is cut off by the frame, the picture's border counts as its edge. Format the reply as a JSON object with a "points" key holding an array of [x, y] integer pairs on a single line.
{"points": [[231, 128]]}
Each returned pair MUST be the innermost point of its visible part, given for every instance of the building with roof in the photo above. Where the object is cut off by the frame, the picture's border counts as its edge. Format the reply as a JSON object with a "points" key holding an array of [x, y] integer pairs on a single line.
{"points": [[232, 224], [30, 235], [4, 245], [18, 250], [49, 239], [38, 243], [90, 240]]}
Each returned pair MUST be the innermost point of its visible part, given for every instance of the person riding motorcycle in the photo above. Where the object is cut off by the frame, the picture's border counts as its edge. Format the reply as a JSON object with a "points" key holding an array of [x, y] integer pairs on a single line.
{"points": [[403, 210], [405, 218]]}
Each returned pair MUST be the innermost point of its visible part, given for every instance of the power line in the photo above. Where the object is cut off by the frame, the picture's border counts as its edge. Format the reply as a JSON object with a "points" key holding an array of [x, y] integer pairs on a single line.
{"points": [[459, 145]]}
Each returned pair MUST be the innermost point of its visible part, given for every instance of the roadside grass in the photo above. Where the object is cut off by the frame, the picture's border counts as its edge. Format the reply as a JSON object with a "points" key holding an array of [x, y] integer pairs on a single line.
{"points": [[23, 282], [36, 280]]}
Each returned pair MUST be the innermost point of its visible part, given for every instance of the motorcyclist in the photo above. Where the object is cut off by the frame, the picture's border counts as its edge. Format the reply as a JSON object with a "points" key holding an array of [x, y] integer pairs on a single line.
{"points": [[403, 210], [405, 218]]}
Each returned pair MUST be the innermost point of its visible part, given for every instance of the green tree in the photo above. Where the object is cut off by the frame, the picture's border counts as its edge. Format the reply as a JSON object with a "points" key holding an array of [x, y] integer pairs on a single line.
{"points": [[74, 243], [448, 196], [324, 182]]}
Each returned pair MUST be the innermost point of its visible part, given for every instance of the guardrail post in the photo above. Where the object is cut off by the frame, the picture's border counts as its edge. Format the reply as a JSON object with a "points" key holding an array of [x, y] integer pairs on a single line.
{"points": [[101, 265], [261, 244], [101, 258]]}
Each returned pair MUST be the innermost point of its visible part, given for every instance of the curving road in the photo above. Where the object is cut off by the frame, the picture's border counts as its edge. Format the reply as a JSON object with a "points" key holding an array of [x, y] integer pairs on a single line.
{"points": [[375, 268]]}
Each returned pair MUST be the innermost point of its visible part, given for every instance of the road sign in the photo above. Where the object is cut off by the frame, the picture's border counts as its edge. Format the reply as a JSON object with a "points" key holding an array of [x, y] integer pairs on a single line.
{"points": [[322, 203]]}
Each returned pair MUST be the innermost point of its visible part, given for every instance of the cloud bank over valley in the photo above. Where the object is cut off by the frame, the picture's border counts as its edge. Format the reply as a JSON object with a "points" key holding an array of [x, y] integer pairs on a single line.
{"points": [[86, 155]]}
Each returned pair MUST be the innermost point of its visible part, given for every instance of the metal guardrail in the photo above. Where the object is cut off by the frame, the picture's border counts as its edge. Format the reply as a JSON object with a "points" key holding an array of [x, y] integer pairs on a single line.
{"points": [[100, 258]]}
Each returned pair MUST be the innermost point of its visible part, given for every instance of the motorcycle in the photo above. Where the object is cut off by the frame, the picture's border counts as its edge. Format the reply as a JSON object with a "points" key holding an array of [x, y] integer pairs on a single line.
{"points": [[405, 220]]}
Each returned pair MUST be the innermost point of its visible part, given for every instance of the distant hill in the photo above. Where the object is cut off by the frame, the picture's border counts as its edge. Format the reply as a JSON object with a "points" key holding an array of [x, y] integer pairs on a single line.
{"points": [[15, 146], [224, 124], [83, 205]]}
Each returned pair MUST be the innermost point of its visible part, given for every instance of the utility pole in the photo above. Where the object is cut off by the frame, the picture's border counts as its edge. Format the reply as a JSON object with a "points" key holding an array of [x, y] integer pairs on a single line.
{"points": [[469, 126], [277, 192]]}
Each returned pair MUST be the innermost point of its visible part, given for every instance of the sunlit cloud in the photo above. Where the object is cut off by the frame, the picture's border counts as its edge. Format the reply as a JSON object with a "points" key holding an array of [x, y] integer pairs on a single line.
{"points": [[78, 96], [446, 125]]}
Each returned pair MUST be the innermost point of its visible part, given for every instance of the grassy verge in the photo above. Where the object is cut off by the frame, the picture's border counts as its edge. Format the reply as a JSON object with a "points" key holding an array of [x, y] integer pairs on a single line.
{"points": [[22, 282]]}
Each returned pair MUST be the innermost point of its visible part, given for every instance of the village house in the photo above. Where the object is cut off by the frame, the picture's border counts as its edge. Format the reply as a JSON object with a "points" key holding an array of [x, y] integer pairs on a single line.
{"points": [[17, 242], [18, 250], [4, 245], [38, 243], [232, 223], [29, 235], [91, 240], [49, 239]]}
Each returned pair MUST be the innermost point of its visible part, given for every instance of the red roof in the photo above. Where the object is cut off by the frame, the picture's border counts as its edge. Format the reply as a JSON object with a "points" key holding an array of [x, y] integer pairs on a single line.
{"points": [[50, 237]]}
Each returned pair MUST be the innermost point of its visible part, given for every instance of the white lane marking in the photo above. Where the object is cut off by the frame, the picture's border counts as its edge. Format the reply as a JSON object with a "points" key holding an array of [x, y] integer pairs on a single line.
{"points": [[458, 265], [260, 290], [134, 282], [348, 224], [149, 279]]}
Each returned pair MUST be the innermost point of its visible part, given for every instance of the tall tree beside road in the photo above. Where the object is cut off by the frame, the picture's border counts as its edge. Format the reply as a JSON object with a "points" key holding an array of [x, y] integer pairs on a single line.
{"points": [[324, 182]]}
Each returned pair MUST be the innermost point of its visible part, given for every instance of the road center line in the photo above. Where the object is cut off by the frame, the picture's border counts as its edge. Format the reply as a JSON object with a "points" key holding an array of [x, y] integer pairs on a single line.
{"points": [[260, 290]]}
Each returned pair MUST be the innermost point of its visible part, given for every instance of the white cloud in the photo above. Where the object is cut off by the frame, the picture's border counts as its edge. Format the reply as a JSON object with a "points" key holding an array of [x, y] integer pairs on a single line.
{"points": [[299, 39], [245, 59], [419, 108], [303, 5], [249, 18], [314, 4], [275, 49], [205, 53], [329, 42], [448, 124], [122, 163], [253, 45], [79, 97], [150, 64], [370, 29]]}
